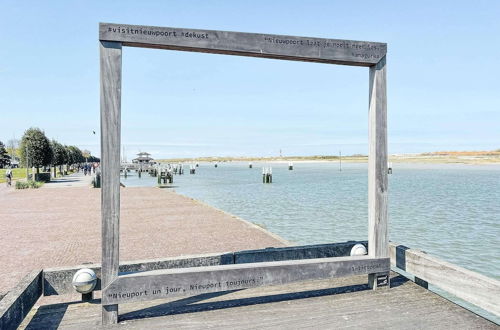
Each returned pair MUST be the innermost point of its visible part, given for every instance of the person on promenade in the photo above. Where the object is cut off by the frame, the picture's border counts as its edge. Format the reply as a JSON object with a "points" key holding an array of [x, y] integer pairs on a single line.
{"points": [[8, 176]]}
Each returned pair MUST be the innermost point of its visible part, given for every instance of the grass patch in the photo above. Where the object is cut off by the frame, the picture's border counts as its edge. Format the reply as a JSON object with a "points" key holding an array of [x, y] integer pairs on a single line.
{"points": [[17, 173]]}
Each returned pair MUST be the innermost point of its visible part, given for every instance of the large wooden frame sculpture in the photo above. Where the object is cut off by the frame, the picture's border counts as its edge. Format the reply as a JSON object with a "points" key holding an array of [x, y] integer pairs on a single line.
{"points": [[189, 281]]}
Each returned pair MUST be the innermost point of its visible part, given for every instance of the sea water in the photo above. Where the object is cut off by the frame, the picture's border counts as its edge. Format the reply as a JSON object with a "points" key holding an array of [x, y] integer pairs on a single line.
{"points": [[451, 211]]}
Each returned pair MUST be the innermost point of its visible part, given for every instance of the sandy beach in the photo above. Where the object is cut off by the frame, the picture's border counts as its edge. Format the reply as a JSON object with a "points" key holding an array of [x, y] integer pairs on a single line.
{"points": [[452, 157]]}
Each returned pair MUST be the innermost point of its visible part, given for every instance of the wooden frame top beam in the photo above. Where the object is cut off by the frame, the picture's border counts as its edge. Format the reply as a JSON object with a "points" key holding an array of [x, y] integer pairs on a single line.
{"points": [[334, 51]]}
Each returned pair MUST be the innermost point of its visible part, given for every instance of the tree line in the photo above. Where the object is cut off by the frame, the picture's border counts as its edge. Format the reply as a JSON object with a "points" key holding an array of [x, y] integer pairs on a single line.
{"points": [[36, 150]]}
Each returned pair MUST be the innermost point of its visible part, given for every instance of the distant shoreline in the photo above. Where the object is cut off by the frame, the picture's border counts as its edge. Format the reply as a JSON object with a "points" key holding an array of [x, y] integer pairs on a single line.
{"points": [[443, 157]]}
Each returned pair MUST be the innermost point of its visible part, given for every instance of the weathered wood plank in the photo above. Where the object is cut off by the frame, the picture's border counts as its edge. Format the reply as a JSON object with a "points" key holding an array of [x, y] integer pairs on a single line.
{"points": [[111, 71], [377, 167], [190, 281], [470, 286], [18, 302], [349, 52]]}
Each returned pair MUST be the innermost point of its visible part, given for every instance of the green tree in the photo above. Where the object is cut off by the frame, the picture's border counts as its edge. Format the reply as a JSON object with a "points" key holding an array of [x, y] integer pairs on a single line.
{"points": [[69, 159], [94, 159], [60, 155], [81, 158], [71, 155], [4, 156], [75, 155], [35, 149]]}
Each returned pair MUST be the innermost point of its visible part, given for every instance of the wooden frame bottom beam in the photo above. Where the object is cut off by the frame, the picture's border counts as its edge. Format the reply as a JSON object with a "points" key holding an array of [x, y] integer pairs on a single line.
{"points": [[159, 284]]}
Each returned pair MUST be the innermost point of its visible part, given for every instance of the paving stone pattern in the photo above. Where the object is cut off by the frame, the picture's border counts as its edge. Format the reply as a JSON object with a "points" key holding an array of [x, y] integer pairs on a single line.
{"points": [[42, 228]]}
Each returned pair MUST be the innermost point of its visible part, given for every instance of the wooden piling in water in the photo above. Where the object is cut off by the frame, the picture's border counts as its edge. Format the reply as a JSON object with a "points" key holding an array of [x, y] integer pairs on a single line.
{"points": [[267, 175], [177, 169], [165, 176]]}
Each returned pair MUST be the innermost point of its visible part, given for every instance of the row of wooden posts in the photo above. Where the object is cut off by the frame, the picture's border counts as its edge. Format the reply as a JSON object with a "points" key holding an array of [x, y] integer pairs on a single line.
{"points": [[165, 174]]}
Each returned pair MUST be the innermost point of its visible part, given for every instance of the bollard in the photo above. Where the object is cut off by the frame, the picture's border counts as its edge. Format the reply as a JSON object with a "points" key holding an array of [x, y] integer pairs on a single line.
{"points": [[97, 180]]}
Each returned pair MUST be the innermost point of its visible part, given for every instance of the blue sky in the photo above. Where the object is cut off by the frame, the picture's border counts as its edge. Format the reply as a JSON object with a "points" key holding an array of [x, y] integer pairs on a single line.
{"points": [[443, 77]]}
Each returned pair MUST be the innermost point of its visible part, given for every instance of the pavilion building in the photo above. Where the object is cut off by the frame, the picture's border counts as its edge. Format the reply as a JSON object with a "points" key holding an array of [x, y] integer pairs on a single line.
{"points": [[143, 158]]}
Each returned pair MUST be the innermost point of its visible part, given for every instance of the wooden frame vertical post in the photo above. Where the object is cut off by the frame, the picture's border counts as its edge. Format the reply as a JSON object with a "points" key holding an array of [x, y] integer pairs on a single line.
{"points": [[111, 72], [378, 242]]}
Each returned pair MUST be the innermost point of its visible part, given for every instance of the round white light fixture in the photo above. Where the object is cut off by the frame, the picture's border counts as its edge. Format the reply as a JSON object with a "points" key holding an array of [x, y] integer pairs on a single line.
{"points": [[358, 250], [84, 280]]}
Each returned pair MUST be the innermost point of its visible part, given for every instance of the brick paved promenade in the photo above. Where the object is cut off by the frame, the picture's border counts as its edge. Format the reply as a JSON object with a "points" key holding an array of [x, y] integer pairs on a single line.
{"points": [[62, 227]]}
